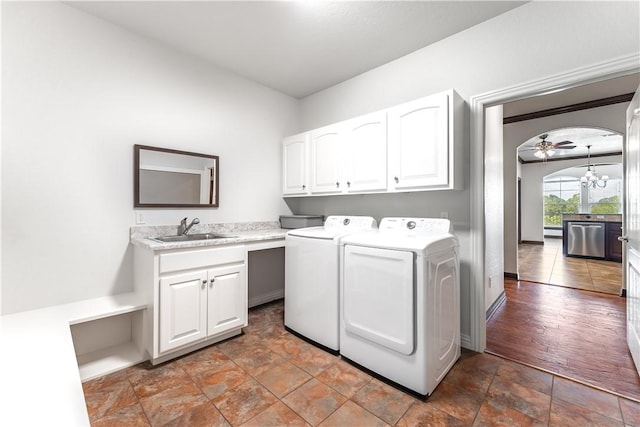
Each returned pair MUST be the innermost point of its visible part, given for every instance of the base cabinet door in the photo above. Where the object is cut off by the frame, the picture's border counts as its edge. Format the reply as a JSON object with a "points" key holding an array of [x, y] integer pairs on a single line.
{"points": [[183, 309], [227, 299]]}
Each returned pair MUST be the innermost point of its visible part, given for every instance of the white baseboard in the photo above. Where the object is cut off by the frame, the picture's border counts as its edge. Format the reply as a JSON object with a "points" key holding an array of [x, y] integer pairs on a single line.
{"points": [[263, 299]]}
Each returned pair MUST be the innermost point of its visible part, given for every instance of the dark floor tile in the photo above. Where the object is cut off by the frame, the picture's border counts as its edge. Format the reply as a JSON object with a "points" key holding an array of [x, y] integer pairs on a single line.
{"points": [[283, 378], [148, 380], [258, 360], [277, 415], [106, 397], [244, 402], [344, 378], [220, 379], [587, 397], [384, 401], [630, 412], [524, 375], [167, 405], [426, 415], [490, 416], [456, 402], [567, 414], [314, 401], [130, 416], [207, 359], [504, 394], [204, 415], [350, 414], [313, 360]]}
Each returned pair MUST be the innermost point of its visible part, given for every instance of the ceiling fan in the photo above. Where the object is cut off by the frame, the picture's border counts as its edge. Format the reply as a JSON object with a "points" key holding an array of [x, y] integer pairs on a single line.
{"points": [[545, 149]]}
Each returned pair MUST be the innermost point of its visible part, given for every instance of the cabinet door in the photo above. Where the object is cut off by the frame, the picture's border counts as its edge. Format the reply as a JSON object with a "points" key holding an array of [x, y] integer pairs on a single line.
{"points": [[294, 165], [419, 153], [325, 157], [183, 309], [227, 299], [366, 160]]}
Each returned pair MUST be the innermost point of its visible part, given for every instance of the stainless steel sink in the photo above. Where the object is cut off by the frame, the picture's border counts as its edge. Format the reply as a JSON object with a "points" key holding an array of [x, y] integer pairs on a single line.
{"points": [[191, 237]]}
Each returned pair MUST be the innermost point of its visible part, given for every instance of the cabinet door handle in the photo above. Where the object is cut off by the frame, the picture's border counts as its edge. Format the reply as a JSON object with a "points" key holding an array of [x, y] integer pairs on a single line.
{"points": [[395, 178], [337, 184], [349, 184], [623, 239], [204, 283], [213, 279]]}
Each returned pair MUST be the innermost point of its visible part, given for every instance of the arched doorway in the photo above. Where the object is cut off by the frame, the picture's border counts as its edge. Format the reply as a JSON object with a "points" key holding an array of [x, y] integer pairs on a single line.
{"points": [[570, 182]]}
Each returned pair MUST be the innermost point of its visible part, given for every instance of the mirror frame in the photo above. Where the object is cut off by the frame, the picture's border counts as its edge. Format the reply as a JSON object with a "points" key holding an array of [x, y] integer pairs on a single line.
{"points": [[136, 179]]}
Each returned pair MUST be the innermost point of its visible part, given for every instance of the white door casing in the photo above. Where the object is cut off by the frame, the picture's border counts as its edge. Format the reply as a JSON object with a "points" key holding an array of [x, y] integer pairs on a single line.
{"points": [[475, 338], [632, 227]]}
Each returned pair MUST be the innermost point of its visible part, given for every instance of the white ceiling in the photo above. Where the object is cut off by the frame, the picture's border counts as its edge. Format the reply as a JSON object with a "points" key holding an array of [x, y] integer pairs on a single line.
{"points": [[297, 47], [602, 141]]}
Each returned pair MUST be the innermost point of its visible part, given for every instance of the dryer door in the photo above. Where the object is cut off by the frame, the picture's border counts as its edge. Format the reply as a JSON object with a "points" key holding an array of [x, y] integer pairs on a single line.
{"points": [[378, 296]]}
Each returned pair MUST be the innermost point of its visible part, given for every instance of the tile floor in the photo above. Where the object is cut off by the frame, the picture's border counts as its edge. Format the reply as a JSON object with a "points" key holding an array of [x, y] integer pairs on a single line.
{"points": [[268, 377], [546, 264]]}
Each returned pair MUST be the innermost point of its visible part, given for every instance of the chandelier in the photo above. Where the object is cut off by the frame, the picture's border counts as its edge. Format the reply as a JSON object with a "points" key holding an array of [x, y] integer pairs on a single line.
{"points": [[591, 178]]}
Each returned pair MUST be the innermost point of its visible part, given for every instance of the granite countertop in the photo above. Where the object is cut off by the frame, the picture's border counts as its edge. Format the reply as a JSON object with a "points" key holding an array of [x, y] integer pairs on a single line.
{"points": [[593, 217], [245, 232]]}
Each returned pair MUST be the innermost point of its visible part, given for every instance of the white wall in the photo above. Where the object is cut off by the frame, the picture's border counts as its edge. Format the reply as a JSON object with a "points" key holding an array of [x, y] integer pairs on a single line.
{"points": [[532, 198], [515, 134], [536, 40], [494, 224], [78, 93]]}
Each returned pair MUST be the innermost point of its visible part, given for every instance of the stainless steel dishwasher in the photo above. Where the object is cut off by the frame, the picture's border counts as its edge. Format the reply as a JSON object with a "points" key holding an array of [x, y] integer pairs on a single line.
{"points": [[586, 239]]}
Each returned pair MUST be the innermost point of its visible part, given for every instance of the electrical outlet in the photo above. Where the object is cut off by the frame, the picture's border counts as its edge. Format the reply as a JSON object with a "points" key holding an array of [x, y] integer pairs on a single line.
{"points": [[140, 219]]}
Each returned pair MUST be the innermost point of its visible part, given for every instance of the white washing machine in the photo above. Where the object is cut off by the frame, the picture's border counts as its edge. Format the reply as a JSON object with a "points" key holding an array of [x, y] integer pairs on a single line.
{"points": [[311, 282], [400, 301]]}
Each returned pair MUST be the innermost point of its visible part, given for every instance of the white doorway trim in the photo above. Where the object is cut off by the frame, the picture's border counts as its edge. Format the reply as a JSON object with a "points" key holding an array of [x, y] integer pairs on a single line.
{"points": [[614, 68]]}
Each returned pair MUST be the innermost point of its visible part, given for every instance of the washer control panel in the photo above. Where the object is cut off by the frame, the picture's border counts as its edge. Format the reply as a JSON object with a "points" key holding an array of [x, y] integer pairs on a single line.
{"points": [[416, 225], [350, 222]]}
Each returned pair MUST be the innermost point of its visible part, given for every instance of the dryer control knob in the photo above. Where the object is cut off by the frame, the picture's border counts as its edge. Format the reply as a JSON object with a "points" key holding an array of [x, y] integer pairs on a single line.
{"points": [[346, 221], [411, 225]]}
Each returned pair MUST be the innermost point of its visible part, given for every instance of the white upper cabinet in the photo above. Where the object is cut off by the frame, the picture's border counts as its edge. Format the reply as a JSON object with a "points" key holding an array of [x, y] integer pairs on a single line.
{"points": [[422, 149], [325, 168], [416, 146], [294, 165], [365, 157]]}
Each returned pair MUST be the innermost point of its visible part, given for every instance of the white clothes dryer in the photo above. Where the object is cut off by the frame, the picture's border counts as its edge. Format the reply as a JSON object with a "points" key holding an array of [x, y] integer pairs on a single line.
{"points": [[311, 282], [400, 301]]}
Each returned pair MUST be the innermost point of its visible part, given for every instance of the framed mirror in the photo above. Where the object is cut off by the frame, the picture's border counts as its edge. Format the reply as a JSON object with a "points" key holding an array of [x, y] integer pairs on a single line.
{"points": [[166, 178]]}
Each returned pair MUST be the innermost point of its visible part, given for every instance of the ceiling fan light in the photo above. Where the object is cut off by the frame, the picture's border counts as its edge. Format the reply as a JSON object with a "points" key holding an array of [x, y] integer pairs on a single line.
{"points": [[605, 177], [539, 154], [583, 179], [551, 152], [588, 174]]}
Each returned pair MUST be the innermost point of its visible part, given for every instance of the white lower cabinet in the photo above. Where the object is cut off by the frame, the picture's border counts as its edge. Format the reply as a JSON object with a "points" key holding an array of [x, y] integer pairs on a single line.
{"points": [[199, 296], [201, 304]]}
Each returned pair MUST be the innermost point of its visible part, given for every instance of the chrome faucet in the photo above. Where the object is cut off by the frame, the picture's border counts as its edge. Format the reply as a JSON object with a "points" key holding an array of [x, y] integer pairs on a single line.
{"points": [[183, 229]]}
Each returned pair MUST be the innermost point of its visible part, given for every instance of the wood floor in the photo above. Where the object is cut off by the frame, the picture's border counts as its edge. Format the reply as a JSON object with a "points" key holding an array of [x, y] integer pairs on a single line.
{"points": [[573, 333], [546, 264]]}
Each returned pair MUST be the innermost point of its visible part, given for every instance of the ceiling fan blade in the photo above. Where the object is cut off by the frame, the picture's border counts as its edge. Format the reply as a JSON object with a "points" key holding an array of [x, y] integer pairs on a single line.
{"points": [[555, 144], [566, 147]]}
